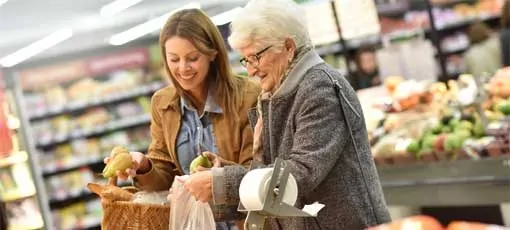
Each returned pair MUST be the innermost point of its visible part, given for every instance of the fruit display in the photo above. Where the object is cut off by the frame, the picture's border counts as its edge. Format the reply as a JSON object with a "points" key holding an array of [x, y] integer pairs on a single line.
{"points": [[443, 17], [81, 215], [423, 222], [445, 126]]}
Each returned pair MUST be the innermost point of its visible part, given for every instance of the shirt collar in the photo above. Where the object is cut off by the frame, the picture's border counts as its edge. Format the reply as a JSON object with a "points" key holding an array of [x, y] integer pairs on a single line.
{"points": [[210, 104]]}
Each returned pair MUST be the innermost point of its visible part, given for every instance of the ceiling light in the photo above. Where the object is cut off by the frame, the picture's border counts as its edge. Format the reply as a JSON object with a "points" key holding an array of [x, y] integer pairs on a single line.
{"points": [[225, 17], [36, 47], [3, 2], [147, 27], [116, 7]]}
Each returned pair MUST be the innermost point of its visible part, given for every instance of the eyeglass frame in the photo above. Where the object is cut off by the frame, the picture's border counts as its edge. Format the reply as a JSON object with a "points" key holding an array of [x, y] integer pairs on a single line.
{"points": [[256, 55]]}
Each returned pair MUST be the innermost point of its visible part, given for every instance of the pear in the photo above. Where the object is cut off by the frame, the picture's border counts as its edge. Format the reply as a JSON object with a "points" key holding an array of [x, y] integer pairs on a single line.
{"points": [[120, 160], [200, 160]]}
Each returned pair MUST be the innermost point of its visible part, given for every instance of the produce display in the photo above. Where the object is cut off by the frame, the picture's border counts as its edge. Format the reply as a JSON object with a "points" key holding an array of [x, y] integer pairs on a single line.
{"points": [[423, 222], [80, 215], [441, 121]]}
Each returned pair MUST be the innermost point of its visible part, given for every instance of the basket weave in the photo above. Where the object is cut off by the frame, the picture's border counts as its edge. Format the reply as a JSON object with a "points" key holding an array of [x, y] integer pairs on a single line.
{"points": [[134, 216]]}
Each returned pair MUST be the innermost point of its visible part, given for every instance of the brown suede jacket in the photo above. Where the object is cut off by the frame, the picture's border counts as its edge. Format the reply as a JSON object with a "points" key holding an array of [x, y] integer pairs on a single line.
{"points": [[233, 138]]}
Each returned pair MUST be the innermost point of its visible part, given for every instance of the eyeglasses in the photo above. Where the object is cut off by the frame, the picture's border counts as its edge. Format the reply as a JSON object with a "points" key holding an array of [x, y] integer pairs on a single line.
{"points": [[254, 59]]}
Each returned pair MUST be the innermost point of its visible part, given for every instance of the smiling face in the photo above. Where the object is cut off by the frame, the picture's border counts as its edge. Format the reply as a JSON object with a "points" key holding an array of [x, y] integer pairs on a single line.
{"points": [[187, 65], [271, 65]]}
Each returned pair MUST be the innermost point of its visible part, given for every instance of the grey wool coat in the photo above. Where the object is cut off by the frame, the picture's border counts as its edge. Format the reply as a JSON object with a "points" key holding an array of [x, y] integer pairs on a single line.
{"points": [[304, 124]]}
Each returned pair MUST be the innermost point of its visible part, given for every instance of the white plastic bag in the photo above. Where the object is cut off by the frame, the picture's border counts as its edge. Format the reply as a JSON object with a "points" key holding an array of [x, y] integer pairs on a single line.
{"points": [[187, 213]]}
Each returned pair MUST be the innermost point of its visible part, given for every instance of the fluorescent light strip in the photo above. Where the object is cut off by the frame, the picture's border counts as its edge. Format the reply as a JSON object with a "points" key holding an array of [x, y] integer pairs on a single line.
{"points": [[36, 47], [3, 2], [147, 27], [116, 7], [225, 17]]}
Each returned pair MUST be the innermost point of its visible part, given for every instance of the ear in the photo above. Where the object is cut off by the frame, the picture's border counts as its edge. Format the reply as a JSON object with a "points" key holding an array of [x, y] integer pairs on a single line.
{"points": [[290, 45]]}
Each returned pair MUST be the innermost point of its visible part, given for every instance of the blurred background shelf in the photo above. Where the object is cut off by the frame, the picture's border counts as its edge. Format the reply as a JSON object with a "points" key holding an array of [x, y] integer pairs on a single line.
{"points": [[13, 158], [15, 195], [97, 131], [456, 183], [49, 171], [115, 98]]}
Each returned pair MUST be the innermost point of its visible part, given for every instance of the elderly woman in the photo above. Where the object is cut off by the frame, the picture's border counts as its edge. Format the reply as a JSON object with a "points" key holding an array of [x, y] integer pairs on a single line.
{"points": [[307, 115]]}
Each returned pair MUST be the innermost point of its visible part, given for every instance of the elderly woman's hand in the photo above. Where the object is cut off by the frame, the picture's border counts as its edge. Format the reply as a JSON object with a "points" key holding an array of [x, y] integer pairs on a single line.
{"points": [[199, 185], [215, 160]]}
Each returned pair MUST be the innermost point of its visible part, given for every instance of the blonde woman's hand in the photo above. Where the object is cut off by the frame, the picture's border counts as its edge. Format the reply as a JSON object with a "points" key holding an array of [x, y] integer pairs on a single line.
{"points": [[140, 164]]}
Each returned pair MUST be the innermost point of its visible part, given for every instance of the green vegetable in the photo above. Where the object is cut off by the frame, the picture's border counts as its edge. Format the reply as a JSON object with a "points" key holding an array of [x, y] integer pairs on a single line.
{"points": [[413, 147]]}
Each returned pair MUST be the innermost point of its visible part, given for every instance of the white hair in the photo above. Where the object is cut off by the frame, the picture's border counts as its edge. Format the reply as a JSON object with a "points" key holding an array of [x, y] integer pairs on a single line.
{"points": [[269, 22]]}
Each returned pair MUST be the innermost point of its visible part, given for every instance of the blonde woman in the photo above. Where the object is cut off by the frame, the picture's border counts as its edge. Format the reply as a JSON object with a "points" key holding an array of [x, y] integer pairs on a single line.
{"points": [[206, 109]]}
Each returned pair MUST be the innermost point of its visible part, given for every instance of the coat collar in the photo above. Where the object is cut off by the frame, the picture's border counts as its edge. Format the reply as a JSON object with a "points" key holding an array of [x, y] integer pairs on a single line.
{"points": [[309, 60]]}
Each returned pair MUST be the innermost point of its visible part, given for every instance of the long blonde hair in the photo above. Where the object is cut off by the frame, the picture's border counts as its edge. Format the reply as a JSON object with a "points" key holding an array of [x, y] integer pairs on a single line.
{"points": [[195, 25]]}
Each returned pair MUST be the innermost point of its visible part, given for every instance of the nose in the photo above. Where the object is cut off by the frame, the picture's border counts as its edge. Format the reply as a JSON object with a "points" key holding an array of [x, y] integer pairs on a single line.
{"points": [[183, 65]]}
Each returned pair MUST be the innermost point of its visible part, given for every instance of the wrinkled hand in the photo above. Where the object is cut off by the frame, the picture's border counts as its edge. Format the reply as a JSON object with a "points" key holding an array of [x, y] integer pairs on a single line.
{"points": [[215, 160], [140, 163], [199, 185]]}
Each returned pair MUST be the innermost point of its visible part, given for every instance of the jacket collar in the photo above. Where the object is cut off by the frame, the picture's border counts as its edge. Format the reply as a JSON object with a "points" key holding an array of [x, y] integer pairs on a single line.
{"points": [[309, 60]]}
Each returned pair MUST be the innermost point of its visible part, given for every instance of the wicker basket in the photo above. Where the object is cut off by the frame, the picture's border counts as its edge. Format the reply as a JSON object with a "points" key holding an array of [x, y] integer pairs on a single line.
{"points": [[133, 216]]}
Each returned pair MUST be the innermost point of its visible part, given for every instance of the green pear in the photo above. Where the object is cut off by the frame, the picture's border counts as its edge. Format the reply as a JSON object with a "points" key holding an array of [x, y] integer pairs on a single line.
{"points": [[120, 162], [200, 160]]}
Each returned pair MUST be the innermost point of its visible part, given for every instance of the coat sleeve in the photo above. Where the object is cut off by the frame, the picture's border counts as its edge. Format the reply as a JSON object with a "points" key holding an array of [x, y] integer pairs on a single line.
{"points": [[163, 169]]}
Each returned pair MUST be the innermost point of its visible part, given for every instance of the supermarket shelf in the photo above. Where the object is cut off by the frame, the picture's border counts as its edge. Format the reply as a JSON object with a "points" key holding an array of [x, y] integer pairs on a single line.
{"points": [[452, 2], [15, 195], [92, 226], [351, 45], [84, 195], [30, 224], [466, 22], [83, 163], [455, 51], [71, 199], [329, 49], [139, 91], [97, 131], [464, 182], [391, 9], [13, 158], [72, 167]]}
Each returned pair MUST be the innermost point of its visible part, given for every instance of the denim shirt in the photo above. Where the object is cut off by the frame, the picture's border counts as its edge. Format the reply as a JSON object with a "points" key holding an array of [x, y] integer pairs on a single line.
{"points": [[196, 133]]}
